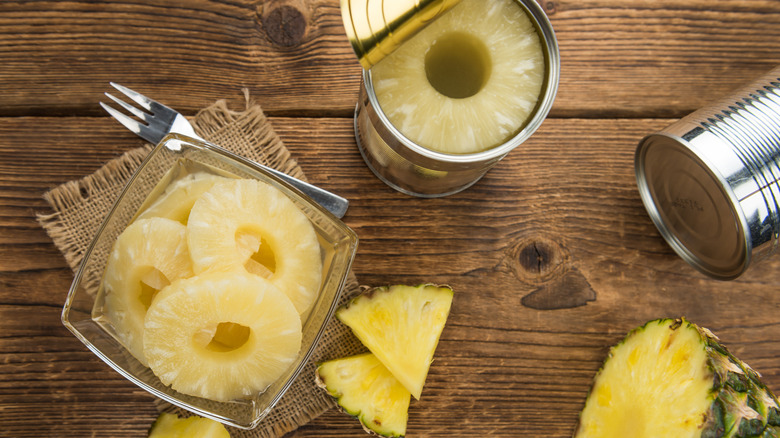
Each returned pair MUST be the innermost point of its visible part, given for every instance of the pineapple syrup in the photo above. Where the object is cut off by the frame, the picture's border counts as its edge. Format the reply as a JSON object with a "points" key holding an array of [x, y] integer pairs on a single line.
{"points": [[458, 65]]}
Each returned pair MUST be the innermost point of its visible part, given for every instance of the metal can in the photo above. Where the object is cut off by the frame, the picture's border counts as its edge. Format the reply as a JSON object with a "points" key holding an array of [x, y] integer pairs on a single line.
{"points": [[415, 170], [375, 28], [711, 181]]}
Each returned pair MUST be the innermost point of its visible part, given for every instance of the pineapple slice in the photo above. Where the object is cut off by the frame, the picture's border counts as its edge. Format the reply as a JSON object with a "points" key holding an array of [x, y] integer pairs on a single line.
{"points": [[670, 378], [467, 81], [401, 325], [178, 198], [252, 224], [365, 389], [147, 256], [170, 426], [221, 335]]}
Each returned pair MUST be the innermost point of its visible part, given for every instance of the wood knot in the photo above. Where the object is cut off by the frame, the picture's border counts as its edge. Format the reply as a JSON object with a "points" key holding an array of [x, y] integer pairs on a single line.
{"points": [[549, 8], [285, 25], [544, 264], [537, 260], [569, 291]]}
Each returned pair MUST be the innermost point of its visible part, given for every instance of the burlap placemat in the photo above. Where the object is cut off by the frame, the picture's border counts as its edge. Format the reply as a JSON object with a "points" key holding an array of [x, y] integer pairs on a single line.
{"points": [[79, 207]]}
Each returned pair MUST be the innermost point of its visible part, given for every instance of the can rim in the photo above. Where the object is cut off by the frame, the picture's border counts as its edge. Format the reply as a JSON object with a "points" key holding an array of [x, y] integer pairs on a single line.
{"points": [[544, 104]]}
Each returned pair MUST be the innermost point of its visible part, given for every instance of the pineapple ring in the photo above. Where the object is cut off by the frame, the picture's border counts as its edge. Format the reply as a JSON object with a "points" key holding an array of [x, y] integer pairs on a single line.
{"points": [[147, 256], [179, 197], [463, 113], [190, 312], [233, 218]]}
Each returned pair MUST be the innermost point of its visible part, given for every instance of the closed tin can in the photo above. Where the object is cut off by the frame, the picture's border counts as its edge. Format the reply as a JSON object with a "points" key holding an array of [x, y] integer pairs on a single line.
{"points": [[419, 171], [711, 181]]}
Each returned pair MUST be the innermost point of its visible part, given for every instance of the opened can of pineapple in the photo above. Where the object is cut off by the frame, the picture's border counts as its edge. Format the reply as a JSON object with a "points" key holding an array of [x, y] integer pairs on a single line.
{"points": [[458, 86]]}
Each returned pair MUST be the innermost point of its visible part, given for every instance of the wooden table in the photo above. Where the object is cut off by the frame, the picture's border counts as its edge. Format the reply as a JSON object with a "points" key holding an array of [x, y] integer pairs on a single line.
{"points": [[552, 255]]}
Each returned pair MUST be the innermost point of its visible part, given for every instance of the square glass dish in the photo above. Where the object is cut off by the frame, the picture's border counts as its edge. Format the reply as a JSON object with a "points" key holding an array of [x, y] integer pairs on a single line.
{"points": [[175, 157]]}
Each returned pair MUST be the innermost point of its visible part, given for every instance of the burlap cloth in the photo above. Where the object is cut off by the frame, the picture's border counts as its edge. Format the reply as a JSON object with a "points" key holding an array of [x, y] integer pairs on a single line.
{"points": [[79, 207]]}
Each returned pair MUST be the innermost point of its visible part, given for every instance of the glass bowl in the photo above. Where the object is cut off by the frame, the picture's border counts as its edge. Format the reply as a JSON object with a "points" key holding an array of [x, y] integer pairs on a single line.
{"points": [[176, 156]]}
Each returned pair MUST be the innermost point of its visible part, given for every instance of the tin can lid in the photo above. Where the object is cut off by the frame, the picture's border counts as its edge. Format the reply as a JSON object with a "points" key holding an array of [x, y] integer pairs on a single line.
{"points": [[376, 28], [693, 205]]}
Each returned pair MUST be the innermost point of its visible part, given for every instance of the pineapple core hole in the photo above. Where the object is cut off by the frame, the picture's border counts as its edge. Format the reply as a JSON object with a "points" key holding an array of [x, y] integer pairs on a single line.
{"points": [[228, 336], [260, 257], [151, 283], [458, 65]]}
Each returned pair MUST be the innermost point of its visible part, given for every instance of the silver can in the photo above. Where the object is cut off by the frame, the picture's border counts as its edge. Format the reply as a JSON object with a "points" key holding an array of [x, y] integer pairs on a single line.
{"points": [[419, 171], [711, 181]]}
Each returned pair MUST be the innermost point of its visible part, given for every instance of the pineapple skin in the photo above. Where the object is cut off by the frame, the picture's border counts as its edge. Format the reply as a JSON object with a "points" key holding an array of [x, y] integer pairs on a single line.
{"points": [[742, 406], [364, 389]]}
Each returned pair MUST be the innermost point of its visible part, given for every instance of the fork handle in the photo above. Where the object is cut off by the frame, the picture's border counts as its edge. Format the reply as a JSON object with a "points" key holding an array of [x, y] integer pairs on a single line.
{"points": [[330, 201]]}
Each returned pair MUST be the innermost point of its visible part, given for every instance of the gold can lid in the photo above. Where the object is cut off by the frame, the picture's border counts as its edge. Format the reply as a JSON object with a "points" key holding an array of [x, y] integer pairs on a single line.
{"points": [[376, 28]]}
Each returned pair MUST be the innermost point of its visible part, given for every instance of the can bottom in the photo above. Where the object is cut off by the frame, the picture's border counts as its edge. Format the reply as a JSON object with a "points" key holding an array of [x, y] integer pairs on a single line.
{"points": [[693, 208]]}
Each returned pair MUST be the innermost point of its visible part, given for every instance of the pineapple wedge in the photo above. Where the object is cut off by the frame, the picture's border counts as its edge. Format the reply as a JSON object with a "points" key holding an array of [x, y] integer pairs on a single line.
{"points": [[671, 378], [401, 325], [147, 256], [221, 335], [170, 426], [365, 389], [253, 226]]}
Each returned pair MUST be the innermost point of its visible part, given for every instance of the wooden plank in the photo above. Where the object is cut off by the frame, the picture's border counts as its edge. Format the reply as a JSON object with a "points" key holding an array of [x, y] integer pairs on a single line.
{"points": [[551, 255], [619, 59]]}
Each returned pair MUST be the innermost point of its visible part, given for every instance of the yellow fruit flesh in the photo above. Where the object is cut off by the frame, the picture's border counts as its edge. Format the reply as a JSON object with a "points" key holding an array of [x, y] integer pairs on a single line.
{"points": [[401, 325], [134, 284], [171, 426], [260, 258], [251, 225], [221, 336], [148, 255], [178, 198], [466, 82], [365, 389], [667, 379]]}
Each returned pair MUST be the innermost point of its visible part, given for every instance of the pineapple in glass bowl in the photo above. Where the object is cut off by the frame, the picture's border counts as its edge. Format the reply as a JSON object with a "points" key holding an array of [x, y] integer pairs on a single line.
{"points": [[129, 269]]}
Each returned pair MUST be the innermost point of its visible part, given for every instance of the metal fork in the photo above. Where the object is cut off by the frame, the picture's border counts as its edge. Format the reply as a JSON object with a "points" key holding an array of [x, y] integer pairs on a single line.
{"points": [[159, 120]]}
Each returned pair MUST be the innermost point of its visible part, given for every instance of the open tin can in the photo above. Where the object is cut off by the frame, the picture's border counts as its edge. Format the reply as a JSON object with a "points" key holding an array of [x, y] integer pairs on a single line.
{"points": [[711, 181], [378, 27]]}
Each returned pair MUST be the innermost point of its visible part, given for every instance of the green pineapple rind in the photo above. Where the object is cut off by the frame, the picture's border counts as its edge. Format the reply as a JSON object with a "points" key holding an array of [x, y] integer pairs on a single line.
{"points": [[320, 381], [742, 406]]}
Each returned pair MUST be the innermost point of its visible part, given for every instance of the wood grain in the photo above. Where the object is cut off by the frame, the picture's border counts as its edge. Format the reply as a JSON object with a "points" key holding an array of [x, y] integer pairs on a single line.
{"points": [[502, 368], [551, 255], [641, 58]]}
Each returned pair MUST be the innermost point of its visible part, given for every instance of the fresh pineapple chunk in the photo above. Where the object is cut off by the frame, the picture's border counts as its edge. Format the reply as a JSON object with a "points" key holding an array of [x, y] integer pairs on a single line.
{"points": [[170, 426], [147, 256], [221, 335], [365, 389], [670, 378], [401, 325], [253, 226]]}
